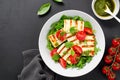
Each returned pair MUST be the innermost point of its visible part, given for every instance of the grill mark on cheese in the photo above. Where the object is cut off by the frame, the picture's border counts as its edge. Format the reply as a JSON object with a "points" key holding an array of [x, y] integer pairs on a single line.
{"points": [[82, 25], [66, 52], [74, 40], [84, 46], [61, 49]]}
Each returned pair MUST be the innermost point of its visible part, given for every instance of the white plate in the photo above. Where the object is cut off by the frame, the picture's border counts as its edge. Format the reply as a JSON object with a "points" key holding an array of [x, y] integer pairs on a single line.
{"points": [[56, 67]]}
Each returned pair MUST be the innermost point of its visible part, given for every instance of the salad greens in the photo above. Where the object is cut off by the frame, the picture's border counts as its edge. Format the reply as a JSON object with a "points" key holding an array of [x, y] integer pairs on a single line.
{"points": [[84, 58], [44, 9]]}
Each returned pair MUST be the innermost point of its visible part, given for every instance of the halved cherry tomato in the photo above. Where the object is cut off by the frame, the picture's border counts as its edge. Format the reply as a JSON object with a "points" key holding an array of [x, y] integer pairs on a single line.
{"points": [[88, 30], [54, 51], [73, 58], [62, 62], [81, 35], [61, 35], [58, 33], [77, 49]]}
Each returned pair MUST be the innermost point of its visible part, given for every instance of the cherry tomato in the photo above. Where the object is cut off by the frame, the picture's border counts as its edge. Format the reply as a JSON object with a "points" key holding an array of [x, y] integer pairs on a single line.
{"points": [[73, 58], [111, 76], [117, 59], [81, 35], [108, 59], [61, 35], [62, 62], [77, 49], [88, 30], [115, 42], [105, 69], [115, 66], [54, 51], [112, 51], [58, 33]]}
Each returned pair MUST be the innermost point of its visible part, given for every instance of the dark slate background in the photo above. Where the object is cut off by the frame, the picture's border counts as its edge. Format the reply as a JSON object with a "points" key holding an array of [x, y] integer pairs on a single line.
{"points": [[20, 28]]}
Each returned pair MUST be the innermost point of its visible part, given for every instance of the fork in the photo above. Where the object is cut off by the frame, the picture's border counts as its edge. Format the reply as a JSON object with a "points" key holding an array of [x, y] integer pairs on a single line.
{"points": [[107, 10]]}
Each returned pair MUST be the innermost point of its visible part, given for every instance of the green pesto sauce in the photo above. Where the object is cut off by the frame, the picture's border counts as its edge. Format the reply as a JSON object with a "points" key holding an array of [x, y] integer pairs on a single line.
{"points": [[100, 7]]}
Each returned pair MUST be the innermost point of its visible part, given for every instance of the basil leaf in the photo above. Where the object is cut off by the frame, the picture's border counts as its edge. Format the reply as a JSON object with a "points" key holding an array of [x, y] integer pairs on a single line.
{"points": [[72, 52], [58, 0], [68, 44], [56, 57], [88, 24], [73, 30], [44, 9]]}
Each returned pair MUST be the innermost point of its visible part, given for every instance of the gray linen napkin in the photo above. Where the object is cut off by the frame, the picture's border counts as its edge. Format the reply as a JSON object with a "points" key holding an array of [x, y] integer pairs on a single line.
{"points": [[34, 68]]}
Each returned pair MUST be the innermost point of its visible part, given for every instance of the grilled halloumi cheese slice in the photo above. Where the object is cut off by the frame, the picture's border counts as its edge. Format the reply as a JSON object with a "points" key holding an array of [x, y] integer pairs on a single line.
{"points": [[64, 53], [53, 39], [68, 23], [88, 44], [62, 50]]}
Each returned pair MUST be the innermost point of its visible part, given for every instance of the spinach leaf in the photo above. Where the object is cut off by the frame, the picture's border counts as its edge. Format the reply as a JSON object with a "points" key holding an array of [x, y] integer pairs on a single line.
{"points": [[44, 9]]}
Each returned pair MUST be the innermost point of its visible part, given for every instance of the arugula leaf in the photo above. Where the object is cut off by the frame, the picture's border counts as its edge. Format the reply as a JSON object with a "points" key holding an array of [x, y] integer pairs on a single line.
{"points": [[44, 9], [73, 30], [59, 24], [89, 58], [56, 57], [83, 60], [58, 0], [68, 44], [88, 24], [86, 53], [49, 45], [66, 17], [97, 50]]}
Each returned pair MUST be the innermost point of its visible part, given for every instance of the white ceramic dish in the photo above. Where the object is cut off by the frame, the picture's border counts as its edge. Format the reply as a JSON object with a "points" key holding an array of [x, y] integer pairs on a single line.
{"points": [[56, 67], [117, 6]]}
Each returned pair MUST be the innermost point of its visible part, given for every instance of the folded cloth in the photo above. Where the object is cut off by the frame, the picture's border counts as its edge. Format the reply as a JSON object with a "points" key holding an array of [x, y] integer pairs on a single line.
{"points": [[34, 68]]}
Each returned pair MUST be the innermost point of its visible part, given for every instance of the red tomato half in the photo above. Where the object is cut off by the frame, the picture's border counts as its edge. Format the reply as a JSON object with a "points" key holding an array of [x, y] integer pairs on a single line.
{"points": [[61, 35], [62, 62], [73, 58], [54, 51], [88, 30], [81, 35], [77, 49]]}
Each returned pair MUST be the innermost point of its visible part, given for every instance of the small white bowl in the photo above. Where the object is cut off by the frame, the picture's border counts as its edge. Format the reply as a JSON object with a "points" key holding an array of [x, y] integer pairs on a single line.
{"points": [[116, 10]]}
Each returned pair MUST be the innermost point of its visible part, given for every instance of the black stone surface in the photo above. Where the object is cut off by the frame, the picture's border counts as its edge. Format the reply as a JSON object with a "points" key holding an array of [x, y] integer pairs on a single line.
{"points": [[20, 28]]}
